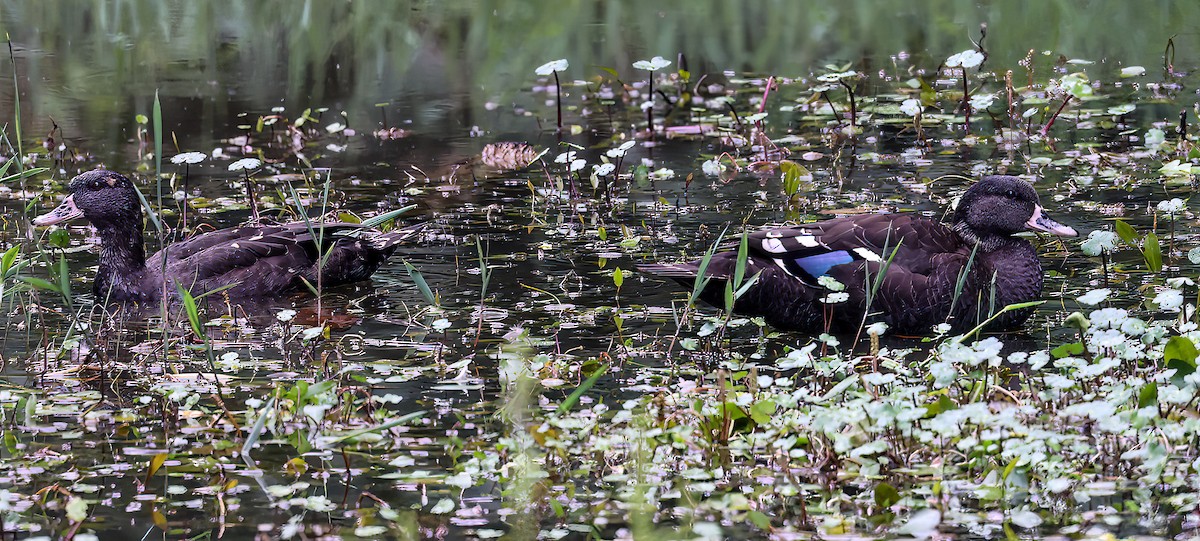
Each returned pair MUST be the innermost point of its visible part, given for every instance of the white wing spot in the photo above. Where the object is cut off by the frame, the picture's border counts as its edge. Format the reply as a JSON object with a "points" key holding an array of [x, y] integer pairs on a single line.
{"points": [[773, 245], [774, 234], [236, 245], [867, 254], [807, 241]]}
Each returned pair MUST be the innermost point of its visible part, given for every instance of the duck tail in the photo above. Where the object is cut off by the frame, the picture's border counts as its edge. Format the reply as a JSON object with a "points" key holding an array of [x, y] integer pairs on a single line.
{"points": [[671, 270], [392, 239]]}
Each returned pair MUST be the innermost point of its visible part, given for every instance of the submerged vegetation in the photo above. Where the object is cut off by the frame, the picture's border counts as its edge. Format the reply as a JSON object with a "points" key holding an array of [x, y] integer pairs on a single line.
{"points": [[513, 374]]}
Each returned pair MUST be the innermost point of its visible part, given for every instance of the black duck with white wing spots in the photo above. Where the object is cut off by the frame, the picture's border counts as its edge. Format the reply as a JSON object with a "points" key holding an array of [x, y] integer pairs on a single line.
{"points": [[921, 261], [254, 261]]}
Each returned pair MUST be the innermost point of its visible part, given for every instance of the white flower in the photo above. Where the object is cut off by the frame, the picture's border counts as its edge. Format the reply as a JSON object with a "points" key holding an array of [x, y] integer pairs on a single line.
{"points": [[245, 163], [603, 169], [712, 168], [1132, 71], [1171, 207], [1154, 138], [1107, 338], [552, 66], [335, 127], [969, 58], [319, 504], [654, 64], [911, 107], [662, 174], [941, 328], [1179, 282], [1099, 240], [1095, 296], [621, 150], [1169, 299], [565, 157], [578, 165], [982, 101], [188, 158], [1108, 317], [877, 328]]}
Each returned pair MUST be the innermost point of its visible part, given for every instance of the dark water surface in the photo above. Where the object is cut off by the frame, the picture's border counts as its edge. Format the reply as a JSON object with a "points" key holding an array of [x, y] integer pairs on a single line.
{"points": [[457, 76]]}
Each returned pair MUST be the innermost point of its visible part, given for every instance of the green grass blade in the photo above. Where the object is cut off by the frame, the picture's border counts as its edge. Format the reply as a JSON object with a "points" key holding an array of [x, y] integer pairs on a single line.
{"points": [[485, 273], [702, 279], [193, 313], [582, 388], [149, 210], [376, 220], [422, 285], [257, 430], [64, 279]]}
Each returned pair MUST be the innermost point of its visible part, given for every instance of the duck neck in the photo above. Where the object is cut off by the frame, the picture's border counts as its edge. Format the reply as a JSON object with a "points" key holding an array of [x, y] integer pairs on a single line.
{"points": [[122, 256], [986, 243]]}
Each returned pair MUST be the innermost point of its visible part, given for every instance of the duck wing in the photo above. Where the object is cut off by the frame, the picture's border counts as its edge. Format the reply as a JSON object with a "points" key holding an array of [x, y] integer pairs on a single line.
{"points": [[907, 243], [262, 260]]}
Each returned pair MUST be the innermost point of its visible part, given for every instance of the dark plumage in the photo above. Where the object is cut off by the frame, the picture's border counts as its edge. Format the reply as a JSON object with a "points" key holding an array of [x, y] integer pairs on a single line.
{"points": [[919, 282], [256, 261]]}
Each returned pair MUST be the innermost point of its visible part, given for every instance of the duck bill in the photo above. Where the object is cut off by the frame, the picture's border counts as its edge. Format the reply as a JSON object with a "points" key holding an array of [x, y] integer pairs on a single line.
{"points": [[66, 211], [1041, 222]]}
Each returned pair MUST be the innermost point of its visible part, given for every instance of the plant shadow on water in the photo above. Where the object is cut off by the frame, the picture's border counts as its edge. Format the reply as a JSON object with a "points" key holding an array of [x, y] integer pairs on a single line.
{"points": [[510, 372]]}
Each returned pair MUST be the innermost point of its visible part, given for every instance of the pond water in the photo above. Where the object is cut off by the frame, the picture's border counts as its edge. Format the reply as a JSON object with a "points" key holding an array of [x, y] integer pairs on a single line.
{"points": [[113, 426]]}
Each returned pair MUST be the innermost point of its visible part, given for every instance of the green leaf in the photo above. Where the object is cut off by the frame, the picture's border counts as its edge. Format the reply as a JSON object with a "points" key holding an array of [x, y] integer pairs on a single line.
{"points": [[1012, 465], [762, 411], [728, 296], [618, 277], [422, 285], [1148, 395], [39, 283], [943, 403], [60, 238], [6, 262], [1126, 232], [141, 119], [886, 495], [610, 71], [792, 173], [10, 442], [1180, 354], [759, 519], [77, 509], [156, 462], [1066, 350], [1153, 253]]}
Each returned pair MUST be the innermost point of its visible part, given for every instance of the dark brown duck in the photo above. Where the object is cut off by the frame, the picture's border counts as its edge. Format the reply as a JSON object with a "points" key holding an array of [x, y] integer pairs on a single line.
{"points": [[919, 280], [253, 261]]}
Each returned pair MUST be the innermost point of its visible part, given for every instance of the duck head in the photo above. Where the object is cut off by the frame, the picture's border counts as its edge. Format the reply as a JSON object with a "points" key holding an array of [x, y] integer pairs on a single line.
{"points": [[997, 207], [104, 198]]}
